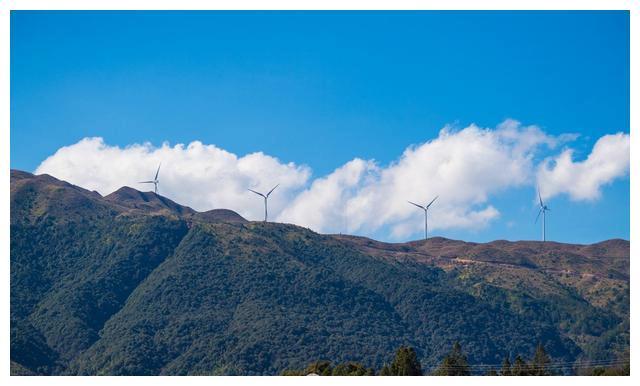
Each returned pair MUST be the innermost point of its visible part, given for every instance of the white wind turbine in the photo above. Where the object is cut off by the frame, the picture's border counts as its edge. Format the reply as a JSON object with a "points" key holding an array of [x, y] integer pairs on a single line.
{"points": [[155, 180], [266, 197], [426, 210], [543, 210]]}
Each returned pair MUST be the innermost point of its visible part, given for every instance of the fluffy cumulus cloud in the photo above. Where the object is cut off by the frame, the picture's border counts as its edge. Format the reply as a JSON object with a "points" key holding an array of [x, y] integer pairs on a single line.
{"points": [[464, 167], [201, 176], [324, 205], [582, 180]]}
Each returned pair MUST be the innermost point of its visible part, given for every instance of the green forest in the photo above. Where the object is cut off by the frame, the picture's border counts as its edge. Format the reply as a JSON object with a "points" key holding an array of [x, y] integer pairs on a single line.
{"points": [[134, 284]]}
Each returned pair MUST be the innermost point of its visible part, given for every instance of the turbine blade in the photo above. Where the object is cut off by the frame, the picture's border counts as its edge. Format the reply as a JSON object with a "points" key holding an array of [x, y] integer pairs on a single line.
{"points": [[158, 171], [428, 205], [147, 182], [258, 193], [419, 206], [274, 188], [540, 197], [538, 216]]}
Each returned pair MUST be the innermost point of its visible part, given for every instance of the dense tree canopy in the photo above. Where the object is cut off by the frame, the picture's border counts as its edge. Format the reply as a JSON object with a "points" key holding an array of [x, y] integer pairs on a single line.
{"points": [[136, 284]]}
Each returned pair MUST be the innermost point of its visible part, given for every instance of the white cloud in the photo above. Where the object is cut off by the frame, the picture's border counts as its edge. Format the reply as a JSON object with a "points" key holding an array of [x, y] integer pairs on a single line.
{"points": [[582, 180], [465, 167], [325, 205], [201, 176]]}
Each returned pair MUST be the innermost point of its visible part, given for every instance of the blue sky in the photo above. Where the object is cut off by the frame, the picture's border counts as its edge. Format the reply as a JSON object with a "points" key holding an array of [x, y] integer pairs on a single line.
{"points": [[321, 88]]}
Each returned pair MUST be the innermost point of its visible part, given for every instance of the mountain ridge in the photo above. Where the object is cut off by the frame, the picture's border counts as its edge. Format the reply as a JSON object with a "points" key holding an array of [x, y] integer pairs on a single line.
{"points": [[125, 196], [125, 200]]}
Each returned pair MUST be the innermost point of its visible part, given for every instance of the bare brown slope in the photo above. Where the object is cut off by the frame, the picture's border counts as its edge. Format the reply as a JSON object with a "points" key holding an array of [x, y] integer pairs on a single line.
{"points": [[607, 258]]}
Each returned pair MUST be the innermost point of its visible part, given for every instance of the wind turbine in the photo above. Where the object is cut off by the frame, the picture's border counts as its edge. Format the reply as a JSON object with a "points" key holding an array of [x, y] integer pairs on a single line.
{"points": [[543, 210], [265, 196], [155, 181], [426, 210]]}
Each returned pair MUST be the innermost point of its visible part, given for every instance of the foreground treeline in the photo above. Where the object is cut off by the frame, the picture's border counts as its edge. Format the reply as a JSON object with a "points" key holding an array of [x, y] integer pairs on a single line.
{"points": [[406, 362]]}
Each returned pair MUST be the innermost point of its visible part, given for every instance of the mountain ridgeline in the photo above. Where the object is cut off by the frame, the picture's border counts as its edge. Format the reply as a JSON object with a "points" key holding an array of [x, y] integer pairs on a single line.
{"points": [[135, 284]]}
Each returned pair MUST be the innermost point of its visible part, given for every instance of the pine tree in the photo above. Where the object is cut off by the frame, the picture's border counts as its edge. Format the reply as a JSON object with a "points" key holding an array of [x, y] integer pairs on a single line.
{"points": [[386, 370], [541, 361], [519, 367], [455, 363], [506, 367], [405, 363]]}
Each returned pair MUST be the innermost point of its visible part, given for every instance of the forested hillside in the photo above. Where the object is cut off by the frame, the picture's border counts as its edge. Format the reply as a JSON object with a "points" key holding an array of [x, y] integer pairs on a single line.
{"points": [[133, 283]]}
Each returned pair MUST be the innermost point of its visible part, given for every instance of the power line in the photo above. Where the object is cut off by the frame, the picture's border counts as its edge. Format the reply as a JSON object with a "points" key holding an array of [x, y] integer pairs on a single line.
{"points": [[553, 365]]}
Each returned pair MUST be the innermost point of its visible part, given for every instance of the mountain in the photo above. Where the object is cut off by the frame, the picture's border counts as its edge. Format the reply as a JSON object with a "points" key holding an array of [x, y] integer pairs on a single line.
{"points": [[135, 284]]}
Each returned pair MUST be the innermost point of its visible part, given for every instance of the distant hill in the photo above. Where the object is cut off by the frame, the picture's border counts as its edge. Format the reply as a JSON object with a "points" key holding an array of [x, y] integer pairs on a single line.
{"points": [[134, 283]]}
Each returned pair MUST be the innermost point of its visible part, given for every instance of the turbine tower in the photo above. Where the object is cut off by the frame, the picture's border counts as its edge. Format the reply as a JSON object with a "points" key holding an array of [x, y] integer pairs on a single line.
{"points": [[543, 210], [155, 181], [426, 210], [265, 196]]}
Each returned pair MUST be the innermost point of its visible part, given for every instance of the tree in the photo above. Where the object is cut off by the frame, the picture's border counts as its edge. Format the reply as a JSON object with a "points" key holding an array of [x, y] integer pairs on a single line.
{"points": [[405, 363], [325, 368], [541, 361], [351, 368], [455, 363], [519, 367], [506, 367], [340, 370], [386, 370], [319, 367], [612, 371]]}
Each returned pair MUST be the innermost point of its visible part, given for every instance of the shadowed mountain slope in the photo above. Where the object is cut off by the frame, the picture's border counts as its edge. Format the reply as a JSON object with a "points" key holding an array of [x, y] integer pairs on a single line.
{"points": [[134, 283]]}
